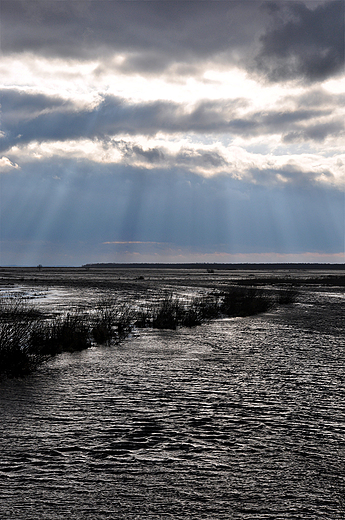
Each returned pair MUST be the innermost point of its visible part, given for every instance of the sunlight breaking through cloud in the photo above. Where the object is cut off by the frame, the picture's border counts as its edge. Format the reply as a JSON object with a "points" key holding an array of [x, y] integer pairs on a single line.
{"points": [[111, 95]]}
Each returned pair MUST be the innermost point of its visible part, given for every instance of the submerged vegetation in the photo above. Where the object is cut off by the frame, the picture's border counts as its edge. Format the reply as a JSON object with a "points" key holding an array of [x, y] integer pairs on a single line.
{"points": [[28, 337]]}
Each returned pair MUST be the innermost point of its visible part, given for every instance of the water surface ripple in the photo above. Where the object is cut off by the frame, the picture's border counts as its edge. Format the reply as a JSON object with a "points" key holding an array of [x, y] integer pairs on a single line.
{"points": [[238, 419]]}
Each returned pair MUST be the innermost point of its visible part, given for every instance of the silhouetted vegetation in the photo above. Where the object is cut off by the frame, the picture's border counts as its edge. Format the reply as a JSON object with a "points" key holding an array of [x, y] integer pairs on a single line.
{"points": [[286, 296], [111, 321], [16, 309], [18, 325], [28, 337], [171, 312], [68, 333], [18, 356], [245, 301], [168, 314]]}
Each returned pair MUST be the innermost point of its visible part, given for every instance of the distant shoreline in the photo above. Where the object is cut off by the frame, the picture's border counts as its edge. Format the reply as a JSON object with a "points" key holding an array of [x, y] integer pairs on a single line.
{"points": [[217, 266]]}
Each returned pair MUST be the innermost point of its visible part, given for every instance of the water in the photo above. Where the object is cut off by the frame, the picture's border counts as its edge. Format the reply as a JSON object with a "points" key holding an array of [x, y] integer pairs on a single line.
{"points": [[237, 419]]}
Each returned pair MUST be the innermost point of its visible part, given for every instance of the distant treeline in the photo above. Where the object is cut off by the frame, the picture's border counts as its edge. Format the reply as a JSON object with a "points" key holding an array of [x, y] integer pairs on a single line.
{"points": [[216, 266]]}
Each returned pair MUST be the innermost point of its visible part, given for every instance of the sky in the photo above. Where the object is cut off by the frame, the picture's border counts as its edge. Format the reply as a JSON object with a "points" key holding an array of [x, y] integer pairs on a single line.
{"points": [[171, 131]]}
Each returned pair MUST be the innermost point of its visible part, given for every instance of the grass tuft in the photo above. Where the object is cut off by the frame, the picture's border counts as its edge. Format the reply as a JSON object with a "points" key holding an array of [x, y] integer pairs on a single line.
{"points": [[245, 301], [28, 338]]}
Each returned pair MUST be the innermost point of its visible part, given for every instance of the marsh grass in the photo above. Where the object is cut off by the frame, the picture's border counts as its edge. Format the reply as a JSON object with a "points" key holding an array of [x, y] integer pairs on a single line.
{"points": [[28, 337], [287, 295], [17, 357], [168, 313], [67, 333], [245, 301], [171, 312], [14, 309], [19, 323], [112, 321]]}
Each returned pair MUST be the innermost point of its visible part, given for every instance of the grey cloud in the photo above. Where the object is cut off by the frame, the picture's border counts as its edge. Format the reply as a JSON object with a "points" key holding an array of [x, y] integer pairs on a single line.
{"points": [[297, 39], [53, 119], [305, 42], [153, 155], [113, 116], [154, 34], [291, 176], [318, 132], [187, 158], [18, 106], [192, 160], [317, 97]]}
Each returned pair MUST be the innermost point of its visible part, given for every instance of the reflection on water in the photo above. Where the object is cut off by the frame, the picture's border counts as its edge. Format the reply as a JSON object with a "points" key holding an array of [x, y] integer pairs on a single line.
{"points": [[238, 419]]}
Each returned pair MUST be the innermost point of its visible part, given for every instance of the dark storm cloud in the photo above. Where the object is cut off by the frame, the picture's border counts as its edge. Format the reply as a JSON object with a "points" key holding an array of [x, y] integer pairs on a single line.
{"points": [[304, 42], [155, 33], [40, 118], [295, 39]]}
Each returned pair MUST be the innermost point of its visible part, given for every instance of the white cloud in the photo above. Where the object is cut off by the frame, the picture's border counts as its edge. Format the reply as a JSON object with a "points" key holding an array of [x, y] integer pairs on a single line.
{"points": [[207, 160], [6, 165]]}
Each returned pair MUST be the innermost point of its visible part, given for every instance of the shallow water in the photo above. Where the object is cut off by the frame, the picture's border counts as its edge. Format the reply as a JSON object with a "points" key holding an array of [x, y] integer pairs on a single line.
{"points": [[238, 419]]}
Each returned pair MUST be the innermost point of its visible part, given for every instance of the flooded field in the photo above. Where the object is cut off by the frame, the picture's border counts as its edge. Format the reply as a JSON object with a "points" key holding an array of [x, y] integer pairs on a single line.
{"points": [[240, 418]]}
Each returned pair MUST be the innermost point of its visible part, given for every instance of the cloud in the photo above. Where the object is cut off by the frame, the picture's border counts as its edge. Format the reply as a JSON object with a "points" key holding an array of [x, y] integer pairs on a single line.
{"points": [[317, 132], [7, 165], [304, 42], [18, 105], [161, 156], [296, 39], [43, 118], [316, 97], [186, 31]]}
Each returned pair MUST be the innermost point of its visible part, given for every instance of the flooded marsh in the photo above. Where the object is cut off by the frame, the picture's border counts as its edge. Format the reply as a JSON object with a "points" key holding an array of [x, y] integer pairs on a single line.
{"points": [[239, 418]]}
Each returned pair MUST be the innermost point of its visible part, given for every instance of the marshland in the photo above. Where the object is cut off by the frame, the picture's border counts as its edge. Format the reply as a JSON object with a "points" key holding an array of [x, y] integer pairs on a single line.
{"points": [[172, 393]]}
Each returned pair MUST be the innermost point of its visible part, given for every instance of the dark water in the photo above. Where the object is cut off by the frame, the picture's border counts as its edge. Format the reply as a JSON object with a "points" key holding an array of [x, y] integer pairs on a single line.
{"points": [[237, 419]]}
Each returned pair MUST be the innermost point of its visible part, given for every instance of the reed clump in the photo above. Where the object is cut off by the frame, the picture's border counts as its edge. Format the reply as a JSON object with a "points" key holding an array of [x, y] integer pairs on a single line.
{"points": [[28, 337], [171, 312], [69, 333], [18, 325], [245, 301], [287, 295], [112, 321]]}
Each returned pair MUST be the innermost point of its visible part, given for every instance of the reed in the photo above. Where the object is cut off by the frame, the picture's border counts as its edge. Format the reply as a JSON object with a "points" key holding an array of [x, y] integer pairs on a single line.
{"points": [[18, 324], [245, 301], [112, 321], [171, 312], [28, 337]]}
